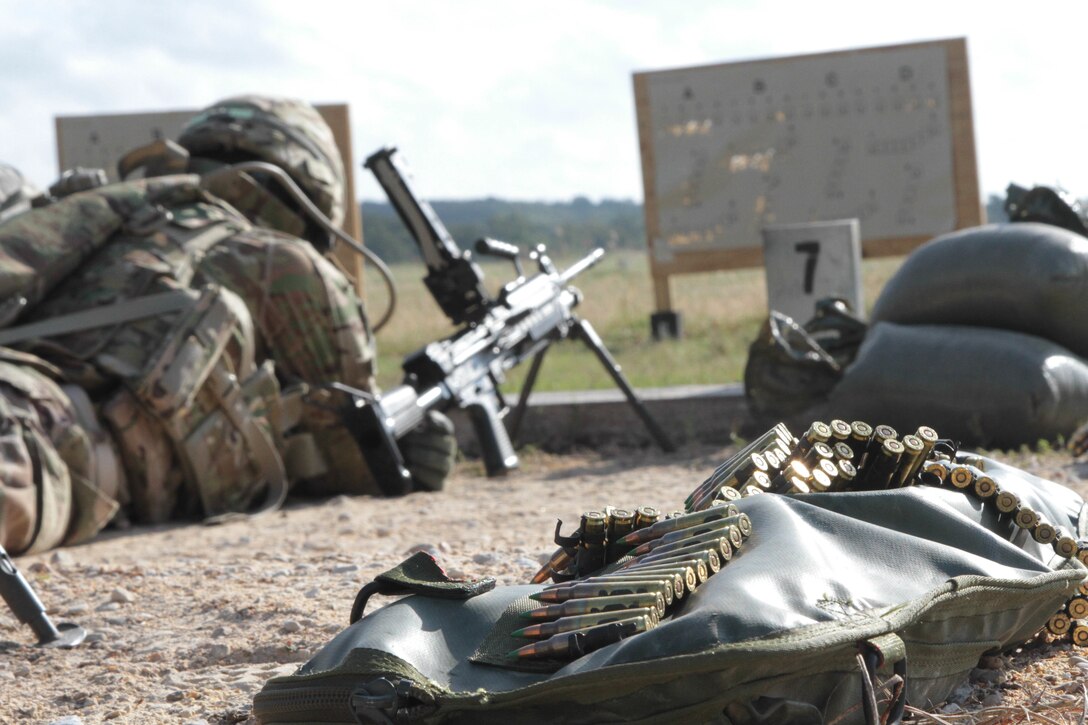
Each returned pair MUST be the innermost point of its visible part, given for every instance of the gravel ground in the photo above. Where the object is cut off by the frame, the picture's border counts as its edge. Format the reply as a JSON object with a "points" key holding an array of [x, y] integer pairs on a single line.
{"points": [[187, 622]]}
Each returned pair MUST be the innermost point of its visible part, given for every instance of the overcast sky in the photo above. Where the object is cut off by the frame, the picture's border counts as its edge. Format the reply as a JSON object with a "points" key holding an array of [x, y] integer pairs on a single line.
{"points": [[524, 100]]}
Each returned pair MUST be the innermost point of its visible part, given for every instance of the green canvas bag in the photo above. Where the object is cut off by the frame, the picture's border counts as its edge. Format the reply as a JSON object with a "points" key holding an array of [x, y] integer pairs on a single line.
{"points": [[839, 607]]}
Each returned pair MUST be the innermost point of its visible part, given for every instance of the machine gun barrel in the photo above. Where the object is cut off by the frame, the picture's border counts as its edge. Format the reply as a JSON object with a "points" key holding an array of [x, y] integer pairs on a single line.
{"points": [[581, 265]]}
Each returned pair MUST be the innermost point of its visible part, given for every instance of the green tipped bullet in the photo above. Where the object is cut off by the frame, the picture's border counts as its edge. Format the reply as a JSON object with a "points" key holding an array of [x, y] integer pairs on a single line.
{"points": [[572, 645], [582, 621], [593, 605]]}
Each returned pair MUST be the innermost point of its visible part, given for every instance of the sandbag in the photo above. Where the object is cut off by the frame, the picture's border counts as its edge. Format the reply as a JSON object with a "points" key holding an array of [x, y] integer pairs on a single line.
{"points": [[982, 386], [923, 575], [1028, 277]]}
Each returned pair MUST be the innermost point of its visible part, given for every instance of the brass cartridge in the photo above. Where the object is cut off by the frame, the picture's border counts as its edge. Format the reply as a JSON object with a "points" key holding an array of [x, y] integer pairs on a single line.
{"points": [[576, 622], [593, 605], [572, 645]]}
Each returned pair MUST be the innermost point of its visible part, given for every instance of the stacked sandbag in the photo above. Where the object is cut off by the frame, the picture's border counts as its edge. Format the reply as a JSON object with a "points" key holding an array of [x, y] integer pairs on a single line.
{"points": [[1027, 277], [981, 333], [979, 385]]}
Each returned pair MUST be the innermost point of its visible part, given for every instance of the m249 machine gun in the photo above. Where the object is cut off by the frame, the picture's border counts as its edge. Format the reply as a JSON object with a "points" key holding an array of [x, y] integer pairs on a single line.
{"points": [[465, 369]]}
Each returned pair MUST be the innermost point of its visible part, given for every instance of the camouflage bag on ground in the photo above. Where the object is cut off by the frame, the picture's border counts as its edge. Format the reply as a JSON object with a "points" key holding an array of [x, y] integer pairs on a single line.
{"points": [[55, 488], [792, 367]]}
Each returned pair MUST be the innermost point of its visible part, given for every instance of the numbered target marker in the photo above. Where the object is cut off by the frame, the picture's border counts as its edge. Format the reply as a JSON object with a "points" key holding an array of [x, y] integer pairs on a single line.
{"points": [[806, 262]]}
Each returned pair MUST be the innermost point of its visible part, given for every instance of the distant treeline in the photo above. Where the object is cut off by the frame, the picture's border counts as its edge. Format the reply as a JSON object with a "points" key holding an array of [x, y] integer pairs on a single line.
{"points": [[568, 228]]}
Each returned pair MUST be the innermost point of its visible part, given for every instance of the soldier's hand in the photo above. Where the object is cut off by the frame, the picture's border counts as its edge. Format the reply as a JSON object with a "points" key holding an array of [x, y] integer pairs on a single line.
{"points": [[429, 452]]}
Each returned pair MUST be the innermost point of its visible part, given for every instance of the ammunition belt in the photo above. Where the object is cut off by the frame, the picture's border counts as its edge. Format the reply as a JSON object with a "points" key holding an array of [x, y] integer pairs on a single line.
{"points": [[841, 456], [622, 571]]}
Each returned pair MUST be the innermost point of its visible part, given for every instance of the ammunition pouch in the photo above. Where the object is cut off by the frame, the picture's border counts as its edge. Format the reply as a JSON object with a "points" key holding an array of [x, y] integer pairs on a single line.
{"points": [[202, 392]]}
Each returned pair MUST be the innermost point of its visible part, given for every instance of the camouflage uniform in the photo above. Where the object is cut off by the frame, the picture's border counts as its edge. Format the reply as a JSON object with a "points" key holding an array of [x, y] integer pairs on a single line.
{"points": [[217, 402]]}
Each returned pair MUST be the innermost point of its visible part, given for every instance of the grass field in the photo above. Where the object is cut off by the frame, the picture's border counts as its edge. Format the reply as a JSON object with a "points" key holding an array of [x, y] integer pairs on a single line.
{"points": [[722, 312]]}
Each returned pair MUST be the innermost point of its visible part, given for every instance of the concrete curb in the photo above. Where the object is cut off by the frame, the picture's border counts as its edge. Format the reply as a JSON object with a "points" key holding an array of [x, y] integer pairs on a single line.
{"points": [[557, 421]]}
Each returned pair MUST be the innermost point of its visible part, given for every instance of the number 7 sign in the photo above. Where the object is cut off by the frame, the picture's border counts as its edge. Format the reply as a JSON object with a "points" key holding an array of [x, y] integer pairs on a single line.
{"points": [[806, 262]]}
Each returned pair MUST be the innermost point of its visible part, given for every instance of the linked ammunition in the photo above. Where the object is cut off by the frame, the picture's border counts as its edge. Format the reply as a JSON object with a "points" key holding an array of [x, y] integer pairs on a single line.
{"points": [[962, 477], [818, 452], [939, 469], [831, 468], [928, 436], [646, 516], [774, 463], [760, 480], [694, 569], [736, 527], [581, 621], [675, 524], [1006, 502], [1077, 607], [1080, 634], [843, 451], [755, 462], [820, 480], [592, 554], [860, 433], [880, 433], [1065, 546], [572, 645], [913, 448], [563, 592], [703, 560], [1044, 533], [847, 474], [560, 560], [798, 485], [737, 469], [621, 522], [985, 487], [675, 579], [728, 493], [818, 432], [882, 467], [840, 430], [974, 460], [708, 539], [1059, 624], [752, 491], [593, 605], [1026, 518], [785, 480]]}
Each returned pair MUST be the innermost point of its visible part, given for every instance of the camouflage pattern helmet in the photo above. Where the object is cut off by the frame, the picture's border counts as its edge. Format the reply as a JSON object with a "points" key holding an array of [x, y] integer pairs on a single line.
{"points": [[281, 131]]}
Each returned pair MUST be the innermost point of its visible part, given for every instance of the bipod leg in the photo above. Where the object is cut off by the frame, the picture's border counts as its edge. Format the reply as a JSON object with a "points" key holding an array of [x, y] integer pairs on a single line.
{"points": [[29, 610], [590, 337], [516, 415]]}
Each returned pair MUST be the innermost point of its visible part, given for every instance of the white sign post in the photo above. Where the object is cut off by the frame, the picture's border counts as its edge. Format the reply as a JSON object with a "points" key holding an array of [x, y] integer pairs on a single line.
{"points": [[807, 262]]}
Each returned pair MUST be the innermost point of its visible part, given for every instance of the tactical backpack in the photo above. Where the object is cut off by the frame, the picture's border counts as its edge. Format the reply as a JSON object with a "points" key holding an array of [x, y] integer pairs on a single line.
{"points": [[98, 281], [819, 607]]}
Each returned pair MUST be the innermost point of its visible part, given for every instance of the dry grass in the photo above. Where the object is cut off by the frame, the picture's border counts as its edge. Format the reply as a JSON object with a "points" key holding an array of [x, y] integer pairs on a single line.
{"points": [[722, 312]]}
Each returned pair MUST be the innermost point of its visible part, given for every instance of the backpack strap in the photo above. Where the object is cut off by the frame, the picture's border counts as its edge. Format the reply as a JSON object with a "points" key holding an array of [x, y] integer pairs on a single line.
{"points": [[136, 308]]}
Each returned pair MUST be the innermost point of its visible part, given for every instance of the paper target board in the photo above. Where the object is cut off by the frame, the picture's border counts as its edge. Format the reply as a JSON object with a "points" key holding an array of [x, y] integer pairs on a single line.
{"points": [[883, 135], [98, 141]]}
